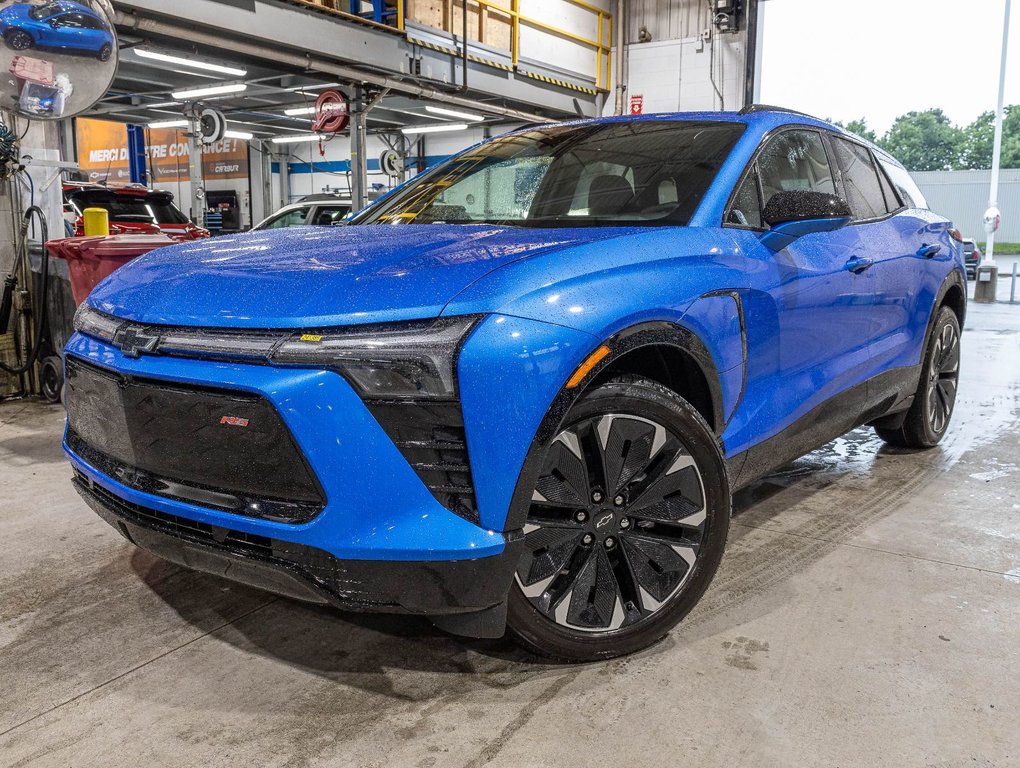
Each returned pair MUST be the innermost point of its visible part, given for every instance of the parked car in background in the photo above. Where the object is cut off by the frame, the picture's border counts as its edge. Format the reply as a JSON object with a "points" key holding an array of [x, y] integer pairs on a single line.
{"points": [[313, 210], [133, 209], [971, 256], [519, 391], [63, 25]]}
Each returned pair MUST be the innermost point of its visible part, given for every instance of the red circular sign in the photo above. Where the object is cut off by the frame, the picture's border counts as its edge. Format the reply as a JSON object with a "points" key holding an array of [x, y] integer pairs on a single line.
{"points": [[332, 112]]}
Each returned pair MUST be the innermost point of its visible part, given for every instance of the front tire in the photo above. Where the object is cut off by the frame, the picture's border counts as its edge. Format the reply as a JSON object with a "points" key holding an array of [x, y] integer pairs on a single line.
{"points": [[105, 52], [19, 40], [627, 525], [929, 415]]}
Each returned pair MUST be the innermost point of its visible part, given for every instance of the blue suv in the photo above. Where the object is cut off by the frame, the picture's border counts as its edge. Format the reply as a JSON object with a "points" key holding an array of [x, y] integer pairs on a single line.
{"points": [[61, 24], [519, 391]]}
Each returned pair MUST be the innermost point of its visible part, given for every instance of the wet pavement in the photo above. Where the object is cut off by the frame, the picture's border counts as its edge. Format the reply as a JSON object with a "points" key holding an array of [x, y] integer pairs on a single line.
{"points": [[866, 614]]}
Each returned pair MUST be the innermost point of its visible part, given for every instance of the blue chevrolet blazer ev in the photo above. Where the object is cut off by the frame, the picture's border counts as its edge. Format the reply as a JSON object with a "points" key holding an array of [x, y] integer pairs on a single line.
{"points": [[61, 24], [519, 391]]}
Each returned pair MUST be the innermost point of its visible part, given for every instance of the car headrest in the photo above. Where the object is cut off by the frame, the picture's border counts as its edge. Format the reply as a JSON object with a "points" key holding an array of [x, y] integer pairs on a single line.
{"points": [[608, 194]]}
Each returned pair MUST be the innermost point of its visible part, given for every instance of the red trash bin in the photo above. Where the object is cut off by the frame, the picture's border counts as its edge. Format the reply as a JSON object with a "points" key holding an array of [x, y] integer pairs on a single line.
{"points": [[91, 259]]}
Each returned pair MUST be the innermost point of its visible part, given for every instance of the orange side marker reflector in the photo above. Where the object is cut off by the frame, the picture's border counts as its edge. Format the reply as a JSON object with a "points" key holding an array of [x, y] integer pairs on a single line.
{"points": [[584, 369]]}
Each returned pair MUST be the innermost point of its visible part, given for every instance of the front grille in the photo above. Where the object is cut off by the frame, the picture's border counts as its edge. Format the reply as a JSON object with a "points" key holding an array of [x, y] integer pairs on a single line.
{"points": [[215, 448], [324, 571], [431, 436]]}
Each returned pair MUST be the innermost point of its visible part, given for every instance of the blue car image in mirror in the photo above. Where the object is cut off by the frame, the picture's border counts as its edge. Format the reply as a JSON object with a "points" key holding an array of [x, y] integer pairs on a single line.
{"points": [[518, 393]]}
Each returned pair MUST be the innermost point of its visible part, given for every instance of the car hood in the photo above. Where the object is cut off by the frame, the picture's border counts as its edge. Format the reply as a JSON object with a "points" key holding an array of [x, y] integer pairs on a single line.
{"points": [[308, 277], [16, 12]]}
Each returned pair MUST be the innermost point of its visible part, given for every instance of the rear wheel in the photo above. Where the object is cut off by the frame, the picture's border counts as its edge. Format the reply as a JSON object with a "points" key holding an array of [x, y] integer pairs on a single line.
{"points": [[105, 52], [19, 40], [51, 379], [929, 415], [626, 528]]}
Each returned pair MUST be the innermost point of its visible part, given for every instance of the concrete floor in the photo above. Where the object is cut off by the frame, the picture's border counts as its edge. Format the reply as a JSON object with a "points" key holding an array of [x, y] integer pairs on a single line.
{"points": [[867, 613]]}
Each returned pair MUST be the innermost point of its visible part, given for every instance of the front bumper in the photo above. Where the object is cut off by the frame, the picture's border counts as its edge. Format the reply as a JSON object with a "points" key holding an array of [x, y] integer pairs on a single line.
{"points": [[386, 541], [432, 588]]}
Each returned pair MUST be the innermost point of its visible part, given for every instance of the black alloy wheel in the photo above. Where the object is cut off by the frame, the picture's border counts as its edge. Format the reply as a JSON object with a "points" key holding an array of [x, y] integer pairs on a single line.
{"points": [[19, 40], [930, 413], [626, 526]]}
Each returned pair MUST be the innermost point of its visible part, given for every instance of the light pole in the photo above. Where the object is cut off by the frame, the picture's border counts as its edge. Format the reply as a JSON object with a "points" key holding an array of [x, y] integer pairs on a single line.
{"points": [[987, 272]]}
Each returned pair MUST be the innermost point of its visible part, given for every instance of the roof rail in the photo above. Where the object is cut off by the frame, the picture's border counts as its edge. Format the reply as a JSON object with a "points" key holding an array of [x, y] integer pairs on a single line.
{"points": [[751, 109]]}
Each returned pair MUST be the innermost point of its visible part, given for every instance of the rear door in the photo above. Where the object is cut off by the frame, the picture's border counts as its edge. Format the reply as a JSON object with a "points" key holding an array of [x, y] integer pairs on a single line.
{"points": [[899, 239]]}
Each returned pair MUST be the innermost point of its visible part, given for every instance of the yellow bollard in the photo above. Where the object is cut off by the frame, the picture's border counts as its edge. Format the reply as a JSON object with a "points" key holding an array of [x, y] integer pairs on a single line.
{"points": [[97, 222]]}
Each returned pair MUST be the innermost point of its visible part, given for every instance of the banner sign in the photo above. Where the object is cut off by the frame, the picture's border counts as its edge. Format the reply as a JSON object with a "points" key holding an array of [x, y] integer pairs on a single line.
{"points": [[103, 154]]}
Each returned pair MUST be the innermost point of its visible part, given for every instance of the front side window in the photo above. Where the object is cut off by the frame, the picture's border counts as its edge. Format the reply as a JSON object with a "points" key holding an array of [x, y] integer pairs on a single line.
{"points": [[602, 174], [795, 161], [860, 179], [746, 208]]}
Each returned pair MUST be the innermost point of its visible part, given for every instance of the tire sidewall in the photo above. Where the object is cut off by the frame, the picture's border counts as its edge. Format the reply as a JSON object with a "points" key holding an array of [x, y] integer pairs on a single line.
{"points": [[20, 34], [945, 317], [650, 401]]}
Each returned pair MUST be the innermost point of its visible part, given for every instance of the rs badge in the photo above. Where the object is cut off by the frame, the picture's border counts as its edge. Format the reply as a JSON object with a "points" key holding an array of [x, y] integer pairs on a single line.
{"points": [[234, 421]]}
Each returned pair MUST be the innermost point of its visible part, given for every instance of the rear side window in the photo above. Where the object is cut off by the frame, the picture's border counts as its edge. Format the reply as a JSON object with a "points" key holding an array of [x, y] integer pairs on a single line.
{"points": [[795, 161], [909, 193], [746, 208], [892, 200], [860, 179]]}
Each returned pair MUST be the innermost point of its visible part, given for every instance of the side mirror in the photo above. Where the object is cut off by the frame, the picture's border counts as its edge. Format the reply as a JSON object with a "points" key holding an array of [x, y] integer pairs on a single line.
{"points": [[794, 214]]}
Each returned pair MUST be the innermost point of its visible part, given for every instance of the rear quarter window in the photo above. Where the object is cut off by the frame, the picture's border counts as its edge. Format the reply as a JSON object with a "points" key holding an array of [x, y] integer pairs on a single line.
{"points": [[907, 188]]}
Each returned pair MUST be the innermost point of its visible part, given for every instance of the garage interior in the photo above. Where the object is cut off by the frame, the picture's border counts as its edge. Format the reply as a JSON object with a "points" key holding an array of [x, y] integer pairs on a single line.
{"points": [[867, 607]]}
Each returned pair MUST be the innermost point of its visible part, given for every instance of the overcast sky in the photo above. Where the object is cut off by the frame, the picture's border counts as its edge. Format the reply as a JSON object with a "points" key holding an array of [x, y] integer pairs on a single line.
{"points": [[845, 59]]}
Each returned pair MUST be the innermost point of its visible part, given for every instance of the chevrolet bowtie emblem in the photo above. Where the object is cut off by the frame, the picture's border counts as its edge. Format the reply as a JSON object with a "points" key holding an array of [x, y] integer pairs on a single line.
{"points": [[133, 342]]}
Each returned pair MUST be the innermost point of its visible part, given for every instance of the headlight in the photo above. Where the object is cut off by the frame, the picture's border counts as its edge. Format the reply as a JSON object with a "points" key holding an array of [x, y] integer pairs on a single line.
{"points": [[392, 360], [93, 323], [389, 360]]}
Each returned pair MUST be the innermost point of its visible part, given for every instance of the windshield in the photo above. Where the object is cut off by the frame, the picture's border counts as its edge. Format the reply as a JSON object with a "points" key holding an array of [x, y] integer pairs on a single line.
{"points": [[45, 11], [604, 174], [125, 208]]}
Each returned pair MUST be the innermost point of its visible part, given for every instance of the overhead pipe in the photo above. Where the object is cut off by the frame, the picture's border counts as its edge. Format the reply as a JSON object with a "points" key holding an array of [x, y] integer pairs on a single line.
{"points": [[133, 22]]}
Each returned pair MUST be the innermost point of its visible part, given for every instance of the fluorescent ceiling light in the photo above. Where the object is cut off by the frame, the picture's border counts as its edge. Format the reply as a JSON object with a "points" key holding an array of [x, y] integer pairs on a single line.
{"points": [[454, 113], [193, 63], [433, 128], [296, 139], [169, 124], [213, 90], [161, 104], [299, 111], [243, 135]]}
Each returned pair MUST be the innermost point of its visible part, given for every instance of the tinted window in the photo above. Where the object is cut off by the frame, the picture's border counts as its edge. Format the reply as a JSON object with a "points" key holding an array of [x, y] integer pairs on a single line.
{"points": [[327, 215], [860, 180], [909, 193], [746, 208], [892, 200], [128, 208], [795, 161], [75, 20], [616, 174], [293, 218]]}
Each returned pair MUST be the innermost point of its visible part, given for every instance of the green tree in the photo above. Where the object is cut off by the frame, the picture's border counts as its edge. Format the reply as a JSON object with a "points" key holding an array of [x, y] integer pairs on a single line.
{"points": [[860, 127], [925, 141], [979, 136]]}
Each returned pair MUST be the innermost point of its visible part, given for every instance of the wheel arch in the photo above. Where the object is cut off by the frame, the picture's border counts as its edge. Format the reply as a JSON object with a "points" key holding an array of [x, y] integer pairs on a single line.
{"points": [[664, 352]]}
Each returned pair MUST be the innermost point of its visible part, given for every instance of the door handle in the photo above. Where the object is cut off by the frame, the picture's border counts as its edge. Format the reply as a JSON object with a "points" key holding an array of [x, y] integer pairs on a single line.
{"points": [[858, 264], [928, 251]]}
